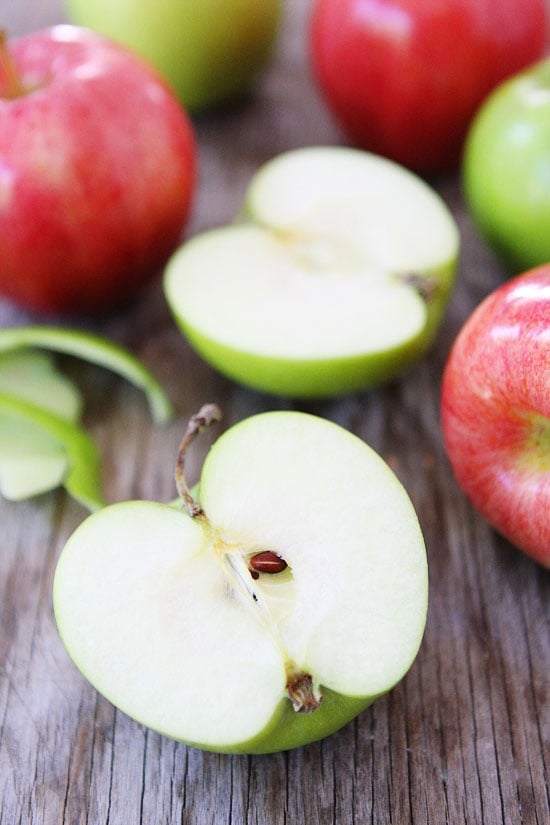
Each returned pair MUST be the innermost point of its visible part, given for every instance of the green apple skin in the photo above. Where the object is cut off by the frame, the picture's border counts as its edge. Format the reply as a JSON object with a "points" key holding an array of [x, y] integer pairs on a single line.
{"points": [[318, 378], [83, 463], [97, 350], [208, 50], [289, 729], [323, 377], [31, 460], [506, 169]]}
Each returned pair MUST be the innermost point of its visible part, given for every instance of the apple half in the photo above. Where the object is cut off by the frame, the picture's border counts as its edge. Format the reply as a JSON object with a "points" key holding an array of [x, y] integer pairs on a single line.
{"points": [[335, 279], [285, 596]]}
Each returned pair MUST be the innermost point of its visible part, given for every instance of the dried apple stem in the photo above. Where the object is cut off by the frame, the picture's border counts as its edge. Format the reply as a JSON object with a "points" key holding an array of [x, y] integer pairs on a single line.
{"points": [[10, 83], [425, 285], [207, 415]]}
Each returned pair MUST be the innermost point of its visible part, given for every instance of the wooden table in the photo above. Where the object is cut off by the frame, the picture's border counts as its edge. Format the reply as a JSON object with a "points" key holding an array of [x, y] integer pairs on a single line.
{"points": [[462, 738]]}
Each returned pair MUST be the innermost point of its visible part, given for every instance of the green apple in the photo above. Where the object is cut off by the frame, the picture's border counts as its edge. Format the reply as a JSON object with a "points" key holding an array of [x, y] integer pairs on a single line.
{"points": [[41, 442], [335, 279], [268, 611], [97, 350], [46, 450], [32, 461], [209, 50], [506, 170]]}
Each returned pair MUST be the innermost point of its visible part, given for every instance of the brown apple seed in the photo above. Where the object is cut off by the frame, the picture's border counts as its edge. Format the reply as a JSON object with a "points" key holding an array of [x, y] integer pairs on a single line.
{"points": [[266, 562]]}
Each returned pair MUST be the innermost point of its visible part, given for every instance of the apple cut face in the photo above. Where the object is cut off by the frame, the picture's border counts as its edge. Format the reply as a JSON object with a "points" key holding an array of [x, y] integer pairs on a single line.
{"points": [[337, 279], [167, 617]]}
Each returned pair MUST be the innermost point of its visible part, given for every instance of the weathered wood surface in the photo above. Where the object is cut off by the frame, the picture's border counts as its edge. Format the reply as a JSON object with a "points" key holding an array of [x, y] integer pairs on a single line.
{"points": [[464, 738]]}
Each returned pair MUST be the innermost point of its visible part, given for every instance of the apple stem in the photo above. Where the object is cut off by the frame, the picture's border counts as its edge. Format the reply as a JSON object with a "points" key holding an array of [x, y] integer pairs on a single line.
{"points": [[10, 83], [425, 285], [207, 415]]}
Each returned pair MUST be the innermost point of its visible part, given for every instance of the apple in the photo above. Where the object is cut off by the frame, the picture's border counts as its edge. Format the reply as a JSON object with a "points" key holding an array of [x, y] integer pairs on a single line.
{"points": [[405, 77], [41, 449], [96, 349], [32, 461], [42, 444], [98, 160], [505, 172], [263, 613], [209, 50], [495, 410], [336, 281]]}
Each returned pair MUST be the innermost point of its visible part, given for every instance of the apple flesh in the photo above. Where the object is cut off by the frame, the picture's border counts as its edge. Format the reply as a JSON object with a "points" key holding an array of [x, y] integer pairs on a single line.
{"points": [[162, 611], [209, 50], [336, 280], [98, 162], [495, 411]]}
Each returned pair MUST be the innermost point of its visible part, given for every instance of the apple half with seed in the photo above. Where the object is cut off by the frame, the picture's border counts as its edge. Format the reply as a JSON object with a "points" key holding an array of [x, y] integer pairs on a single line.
{"points": [[270, 608], [335, 278]]}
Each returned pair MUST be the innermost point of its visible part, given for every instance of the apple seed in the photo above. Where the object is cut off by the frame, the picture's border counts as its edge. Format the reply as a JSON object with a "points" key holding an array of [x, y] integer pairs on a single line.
{"points": [[266, 562]]}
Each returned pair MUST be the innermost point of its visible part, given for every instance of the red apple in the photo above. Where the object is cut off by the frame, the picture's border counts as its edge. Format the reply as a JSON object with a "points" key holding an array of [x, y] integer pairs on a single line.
{"points": [[97, 168], [495, 410], [405, 77]]}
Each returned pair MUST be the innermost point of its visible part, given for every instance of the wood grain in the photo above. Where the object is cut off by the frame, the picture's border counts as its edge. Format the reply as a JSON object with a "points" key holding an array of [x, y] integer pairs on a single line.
{"points": [[462, 739]]}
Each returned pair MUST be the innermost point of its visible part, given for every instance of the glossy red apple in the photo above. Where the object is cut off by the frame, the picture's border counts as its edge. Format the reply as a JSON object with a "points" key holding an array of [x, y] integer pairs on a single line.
{"points": [[405, 77], [495, 410], [97, 169]]}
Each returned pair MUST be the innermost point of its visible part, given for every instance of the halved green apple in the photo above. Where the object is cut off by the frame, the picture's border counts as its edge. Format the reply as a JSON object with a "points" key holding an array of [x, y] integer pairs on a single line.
{"points": [[336, 280], [271, 610]]}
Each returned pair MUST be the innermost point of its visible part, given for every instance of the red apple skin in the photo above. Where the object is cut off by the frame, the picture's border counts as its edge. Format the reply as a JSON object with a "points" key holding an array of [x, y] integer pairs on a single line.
{"points": [[97, 172], [495, 410], [405, 77]]}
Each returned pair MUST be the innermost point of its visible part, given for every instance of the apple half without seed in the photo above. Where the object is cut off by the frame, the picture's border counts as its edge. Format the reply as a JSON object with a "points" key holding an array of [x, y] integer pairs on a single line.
{"points": [[335, 279], [184, 620]]}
